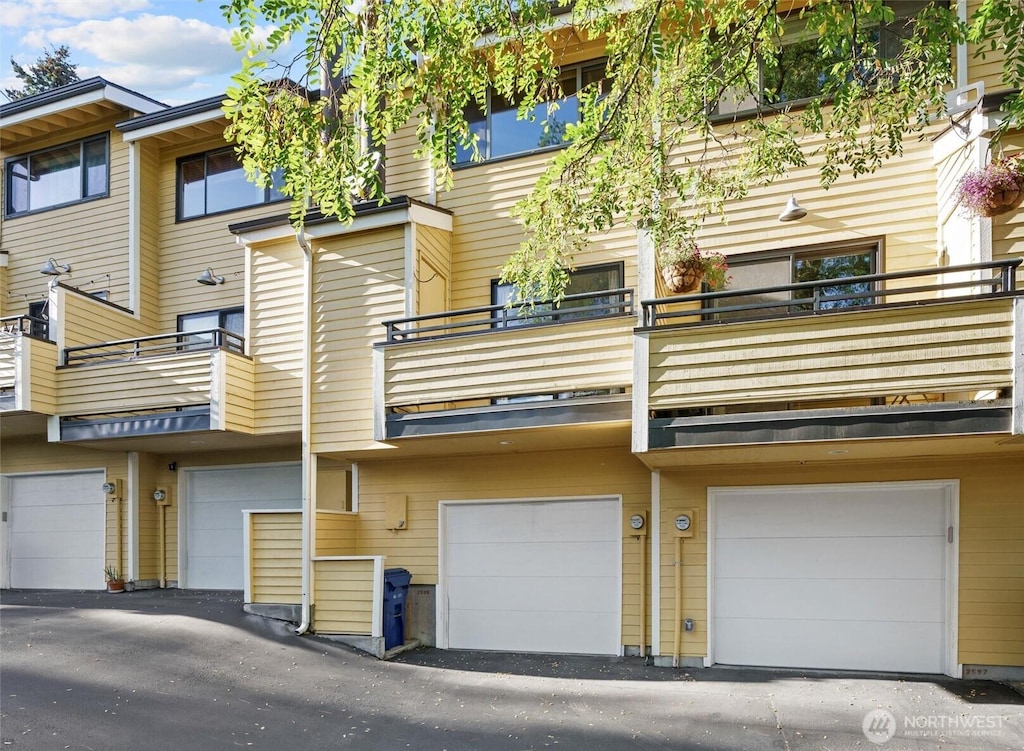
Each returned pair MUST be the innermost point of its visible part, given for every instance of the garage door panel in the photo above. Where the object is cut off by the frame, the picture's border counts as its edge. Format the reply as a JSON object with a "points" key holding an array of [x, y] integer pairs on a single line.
{"points": [[832, 577], [531, 559], [545, 522], [216, 499], [542, 593], [912, 647], [565, 633], [917, 600], [829, 558], [895, 512], [534, 577], [57, 531]]}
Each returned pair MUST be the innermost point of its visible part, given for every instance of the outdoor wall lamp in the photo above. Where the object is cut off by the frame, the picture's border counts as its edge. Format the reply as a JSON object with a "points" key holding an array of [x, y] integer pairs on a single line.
{"points": [[52, 268], [793, 211], [209, 278]]}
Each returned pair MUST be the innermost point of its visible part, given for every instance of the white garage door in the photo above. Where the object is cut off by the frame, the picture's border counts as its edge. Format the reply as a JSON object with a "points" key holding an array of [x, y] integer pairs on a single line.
{"points": [[57, 527], [834, 577], [534, 577], [213, 519]]}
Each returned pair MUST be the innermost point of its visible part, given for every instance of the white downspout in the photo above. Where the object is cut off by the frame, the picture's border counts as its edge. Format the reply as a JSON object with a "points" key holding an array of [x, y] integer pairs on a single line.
{"points": [[307, 459]]}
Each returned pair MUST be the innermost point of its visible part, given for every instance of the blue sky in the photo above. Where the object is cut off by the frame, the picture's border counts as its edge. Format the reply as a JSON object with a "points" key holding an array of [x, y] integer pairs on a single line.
{"points": [[175, 51]]}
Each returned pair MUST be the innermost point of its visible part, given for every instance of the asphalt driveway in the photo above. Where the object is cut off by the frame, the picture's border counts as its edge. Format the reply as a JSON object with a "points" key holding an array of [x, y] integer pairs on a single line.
{"points": [[189, 670]]}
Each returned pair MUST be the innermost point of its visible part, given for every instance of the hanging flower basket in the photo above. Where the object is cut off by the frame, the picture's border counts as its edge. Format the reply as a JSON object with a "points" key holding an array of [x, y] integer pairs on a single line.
{"points": [[681, 277], [993, 190], [685, 266]]}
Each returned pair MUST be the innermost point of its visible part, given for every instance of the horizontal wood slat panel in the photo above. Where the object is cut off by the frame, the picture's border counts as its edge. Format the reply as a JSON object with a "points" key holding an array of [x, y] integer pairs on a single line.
{"points": [[343, 594], [963, 345], [525, 360], [275, 557]]}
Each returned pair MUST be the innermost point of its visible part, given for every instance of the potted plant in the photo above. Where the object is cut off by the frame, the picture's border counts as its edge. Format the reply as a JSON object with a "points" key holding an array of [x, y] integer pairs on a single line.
{"points": [[995, 189], [114, 581], [684, 266]]}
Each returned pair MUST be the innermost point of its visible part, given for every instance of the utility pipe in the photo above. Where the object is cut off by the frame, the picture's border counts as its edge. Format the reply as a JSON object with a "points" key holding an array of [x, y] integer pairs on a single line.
{"points": [[677, 646], [306, 400], [643, 595], [162, 534], [119, 531]]}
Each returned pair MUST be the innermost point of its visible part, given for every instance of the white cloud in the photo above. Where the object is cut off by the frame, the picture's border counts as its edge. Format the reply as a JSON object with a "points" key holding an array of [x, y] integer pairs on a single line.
{"points": [[35, 13]]}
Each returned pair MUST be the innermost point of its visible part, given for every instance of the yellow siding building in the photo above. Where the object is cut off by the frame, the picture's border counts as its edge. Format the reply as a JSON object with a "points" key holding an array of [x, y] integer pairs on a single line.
{"points": [[797, 472]]}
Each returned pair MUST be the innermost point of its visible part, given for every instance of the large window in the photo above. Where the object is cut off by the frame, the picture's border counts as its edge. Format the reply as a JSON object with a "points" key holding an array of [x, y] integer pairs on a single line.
{"points": [[57, 176], [837, 262], [582, 281], [798, 70], [197, 328], [215, 181], [502, 133]]}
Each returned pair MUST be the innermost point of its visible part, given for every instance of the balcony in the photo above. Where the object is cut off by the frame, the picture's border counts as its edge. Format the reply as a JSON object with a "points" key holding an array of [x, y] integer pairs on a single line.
{"points": [[155, 385], [497, 368], [921, 353], [27, 366]]}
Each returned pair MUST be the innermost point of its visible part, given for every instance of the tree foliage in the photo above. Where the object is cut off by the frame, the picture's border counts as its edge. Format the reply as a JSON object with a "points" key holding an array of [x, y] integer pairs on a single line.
{"points": [[51, 70], [649, 147]]}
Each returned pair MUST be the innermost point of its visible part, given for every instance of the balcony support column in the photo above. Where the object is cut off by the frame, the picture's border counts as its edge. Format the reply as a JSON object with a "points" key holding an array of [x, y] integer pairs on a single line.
{"points": [[1018, 367]]}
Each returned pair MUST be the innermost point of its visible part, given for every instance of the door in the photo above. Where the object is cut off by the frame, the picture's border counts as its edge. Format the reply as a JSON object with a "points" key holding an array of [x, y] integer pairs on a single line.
{"points": [[56, 530], [833, 577], [533, 576], [215, 500]]}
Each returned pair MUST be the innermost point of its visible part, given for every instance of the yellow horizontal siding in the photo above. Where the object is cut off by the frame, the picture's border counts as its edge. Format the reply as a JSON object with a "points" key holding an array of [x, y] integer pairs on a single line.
{"points": [[343, 594], [950, 346], [237, 392], [335, 534], [275, 550], [514, 361], [86, 320], [8, 365], [148, 383], [43, 374]]}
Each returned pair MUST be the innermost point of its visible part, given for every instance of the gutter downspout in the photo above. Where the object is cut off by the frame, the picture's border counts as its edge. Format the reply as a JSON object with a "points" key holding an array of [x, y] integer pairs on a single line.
{"points": [[307, 390]]}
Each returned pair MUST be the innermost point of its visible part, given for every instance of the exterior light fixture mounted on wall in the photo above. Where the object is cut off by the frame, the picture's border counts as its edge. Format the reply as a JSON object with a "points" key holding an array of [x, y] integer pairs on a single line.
{"points": [[793, 211], [209, 278], [52, 268]]}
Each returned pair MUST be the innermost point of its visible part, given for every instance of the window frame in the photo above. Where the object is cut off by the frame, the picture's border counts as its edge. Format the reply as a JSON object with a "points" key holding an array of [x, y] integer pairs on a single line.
{"points": [[222, 315], [179, 188], [800, 33], [559, 315], [83, 178], [487, 115]]}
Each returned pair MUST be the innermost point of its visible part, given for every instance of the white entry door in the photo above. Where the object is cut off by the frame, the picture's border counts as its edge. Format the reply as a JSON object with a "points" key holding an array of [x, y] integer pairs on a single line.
{"points": [[533, 576], [215, 500], [833, 577], [57, 530]]}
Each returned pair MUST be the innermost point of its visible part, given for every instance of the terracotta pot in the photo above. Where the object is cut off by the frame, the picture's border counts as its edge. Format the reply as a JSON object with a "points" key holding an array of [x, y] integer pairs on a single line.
{"points": [[115, 586], [681, 277], [1002, 202]]}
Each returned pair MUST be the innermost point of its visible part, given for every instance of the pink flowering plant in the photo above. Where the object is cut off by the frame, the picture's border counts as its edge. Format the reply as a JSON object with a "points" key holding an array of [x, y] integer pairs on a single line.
{"points": [[688, 255], [994, 189]]}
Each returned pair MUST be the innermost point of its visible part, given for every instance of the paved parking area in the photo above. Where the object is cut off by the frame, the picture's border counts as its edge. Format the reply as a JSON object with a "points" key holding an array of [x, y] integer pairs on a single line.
{"points": [[189, 670]]}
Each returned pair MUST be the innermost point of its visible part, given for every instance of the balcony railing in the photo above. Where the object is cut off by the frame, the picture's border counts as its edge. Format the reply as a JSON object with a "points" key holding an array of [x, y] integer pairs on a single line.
{"points": [[156, 346], [584, 306], [37, 328], [810, 298]]}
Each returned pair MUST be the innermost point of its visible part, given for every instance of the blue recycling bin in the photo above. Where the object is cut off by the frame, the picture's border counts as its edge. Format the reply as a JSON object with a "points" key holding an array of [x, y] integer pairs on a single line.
{"points": [[396, 590]]}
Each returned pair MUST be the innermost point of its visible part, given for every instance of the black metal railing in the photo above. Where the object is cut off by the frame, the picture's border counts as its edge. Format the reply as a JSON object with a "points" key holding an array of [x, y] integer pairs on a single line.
{"points": [[154, 346], [585, 306], [810, 298], [37, 328]]}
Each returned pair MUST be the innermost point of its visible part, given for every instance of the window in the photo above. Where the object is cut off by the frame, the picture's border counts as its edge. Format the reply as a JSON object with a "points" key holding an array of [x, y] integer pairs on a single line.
{"points": [[39, 326], [500, 132], [201, 324], [803, 265], [585, 280], [798, 71], [214, 182], [57, 176]]}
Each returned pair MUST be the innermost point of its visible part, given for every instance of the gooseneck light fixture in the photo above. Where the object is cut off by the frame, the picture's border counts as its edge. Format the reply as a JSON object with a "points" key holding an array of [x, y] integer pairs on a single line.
{"points": [[793, 211], [209, 278], [52, 268]]}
